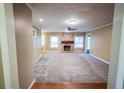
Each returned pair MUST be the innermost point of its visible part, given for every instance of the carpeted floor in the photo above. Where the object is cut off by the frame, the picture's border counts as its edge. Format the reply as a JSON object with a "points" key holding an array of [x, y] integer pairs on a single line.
{"points": [[70, 67]]}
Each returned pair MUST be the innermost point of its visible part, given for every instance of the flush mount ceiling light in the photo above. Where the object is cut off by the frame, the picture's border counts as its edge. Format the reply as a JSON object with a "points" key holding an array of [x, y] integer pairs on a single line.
{"points": [[41, 20], [72, 21]]}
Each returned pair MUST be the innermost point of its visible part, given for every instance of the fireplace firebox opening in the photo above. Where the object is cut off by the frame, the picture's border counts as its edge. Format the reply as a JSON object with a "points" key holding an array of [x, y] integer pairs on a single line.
{"points": [[67, 48]]}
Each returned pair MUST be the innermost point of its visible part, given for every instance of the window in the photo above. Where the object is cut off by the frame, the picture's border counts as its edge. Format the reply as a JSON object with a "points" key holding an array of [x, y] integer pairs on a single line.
{"points": [[43, 40], [88, 41], [53, 41], [78, 42]]}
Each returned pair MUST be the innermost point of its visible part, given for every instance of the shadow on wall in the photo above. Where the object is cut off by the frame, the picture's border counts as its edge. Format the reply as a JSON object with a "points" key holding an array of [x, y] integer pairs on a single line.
{"points": [[1, 72]]}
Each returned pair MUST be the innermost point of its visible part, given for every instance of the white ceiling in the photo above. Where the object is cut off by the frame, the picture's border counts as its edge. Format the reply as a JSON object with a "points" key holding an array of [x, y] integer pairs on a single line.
{"points": [[55, 16]]}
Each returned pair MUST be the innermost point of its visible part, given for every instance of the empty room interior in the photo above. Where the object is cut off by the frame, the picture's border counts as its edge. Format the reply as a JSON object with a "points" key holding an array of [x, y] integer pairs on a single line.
{"points": [[74, 39], [59, 46]]}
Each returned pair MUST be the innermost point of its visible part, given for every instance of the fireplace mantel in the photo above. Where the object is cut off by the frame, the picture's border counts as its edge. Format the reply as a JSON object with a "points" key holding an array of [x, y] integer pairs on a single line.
{"points": [[67, 42]]}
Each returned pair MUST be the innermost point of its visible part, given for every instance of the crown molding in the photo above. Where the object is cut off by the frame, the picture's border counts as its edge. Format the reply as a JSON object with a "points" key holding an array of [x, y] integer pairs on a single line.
{"points": [[92, 29], [29, 6], [36, 27], [101, 27]]}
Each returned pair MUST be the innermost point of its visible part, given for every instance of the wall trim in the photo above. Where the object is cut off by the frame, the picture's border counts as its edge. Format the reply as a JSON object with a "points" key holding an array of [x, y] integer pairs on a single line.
{"points": [[65, 52], [87, 31], [99, 58], [37, 58], [32, 83], [36, 27], [53, 51], [101, 27], [7, 41], [79, 52], [29, 6]]}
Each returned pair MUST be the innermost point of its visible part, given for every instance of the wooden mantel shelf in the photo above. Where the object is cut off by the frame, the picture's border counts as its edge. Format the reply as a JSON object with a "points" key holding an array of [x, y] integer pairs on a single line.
{"points": [[67, 42]]}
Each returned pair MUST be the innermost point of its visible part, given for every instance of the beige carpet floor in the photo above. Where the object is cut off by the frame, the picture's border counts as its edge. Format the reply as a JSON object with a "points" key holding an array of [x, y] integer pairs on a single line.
{"points": [[70, 67]]}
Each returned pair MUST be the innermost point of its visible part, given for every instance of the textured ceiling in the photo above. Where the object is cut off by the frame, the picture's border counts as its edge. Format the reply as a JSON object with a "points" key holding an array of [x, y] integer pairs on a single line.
{"points": [[55, 16]]}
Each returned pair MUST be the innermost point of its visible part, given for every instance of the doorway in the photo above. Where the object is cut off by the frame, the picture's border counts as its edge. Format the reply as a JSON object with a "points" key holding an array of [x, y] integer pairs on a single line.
{"points": [[88, 43]]}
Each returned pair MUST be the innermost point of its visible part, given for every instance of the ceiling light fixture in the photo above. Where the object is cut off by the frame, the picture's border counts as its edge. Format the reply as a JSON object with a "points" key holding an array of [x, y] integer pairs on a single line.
{"points": [[41, 20], [72, 21]]}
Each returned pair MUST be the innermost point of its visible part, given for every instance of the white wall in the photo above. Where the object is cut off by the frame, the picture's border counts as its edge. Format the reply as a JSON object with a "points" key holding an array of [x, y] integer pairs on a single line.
{"points": [[116, 71], [120, 71], [8, 46]]}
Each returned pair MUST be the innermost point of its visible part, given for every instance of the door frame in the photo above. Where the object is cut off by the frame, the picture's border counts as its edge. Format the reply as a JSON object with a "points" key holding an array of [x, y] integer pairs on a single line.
{"points": [[116, 72], [8, 46]]}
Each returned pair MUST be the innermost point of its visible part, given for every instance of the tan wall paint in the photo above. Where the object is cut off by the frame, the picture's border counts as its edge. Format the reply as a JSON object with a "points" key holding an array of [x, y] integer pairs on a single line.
{"points": [[37, 44], [69, 36], [101, 42], [1, 72], [24, 43]]}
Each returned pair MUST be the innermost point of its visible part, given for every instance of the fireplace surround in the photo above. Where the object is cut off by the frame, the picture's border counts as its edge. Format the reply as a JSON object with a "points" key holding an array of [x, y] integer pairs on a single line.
{"points": [[67, 46]]}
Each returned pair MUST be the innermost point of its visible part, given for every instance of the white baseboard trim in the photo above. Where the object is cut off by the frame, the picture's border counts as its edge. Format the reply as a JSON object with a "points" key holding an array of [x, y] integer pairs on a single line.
{"points": [[32, 83], [64, 51], [53, 51], [37, 58], [79, 51], [99, 58]]}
